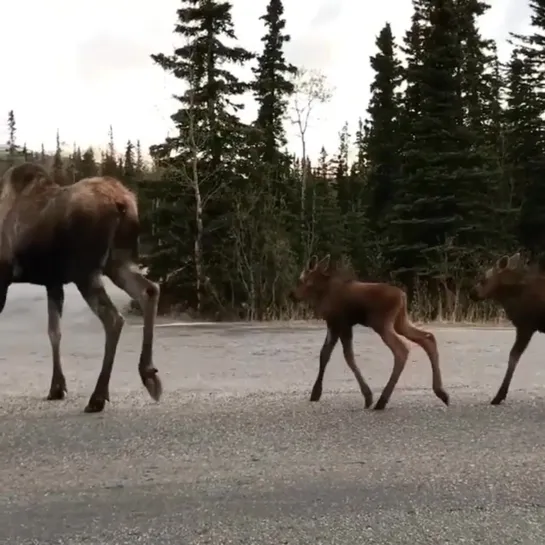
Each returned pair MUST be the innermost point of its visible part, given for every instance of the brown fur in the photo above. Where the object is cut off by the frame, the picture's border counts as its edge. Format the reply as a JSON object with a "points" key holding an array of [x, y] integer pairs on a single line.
{"points": [[342, 301], [520, 289], [52, 235]]}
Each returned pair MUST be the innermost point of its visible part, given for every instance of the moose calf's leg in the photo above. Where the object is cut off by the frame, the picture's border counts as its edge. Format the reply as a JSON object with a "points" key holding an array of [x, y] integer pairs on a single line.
{"points": [[348, 352], [136, 285], [55, 302], [100, 303], [325, 355], [428, 343], [522, 340], [401, 353]]}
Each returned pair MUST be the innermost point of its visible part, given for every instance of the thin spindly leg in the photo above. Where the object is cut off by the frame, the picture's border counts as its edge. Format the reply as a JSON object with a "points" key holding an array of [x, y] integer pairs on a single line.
{"points": [[522, 340], [348, 351], [325, 355], [55, 302], [92, 290], [129, 278]]}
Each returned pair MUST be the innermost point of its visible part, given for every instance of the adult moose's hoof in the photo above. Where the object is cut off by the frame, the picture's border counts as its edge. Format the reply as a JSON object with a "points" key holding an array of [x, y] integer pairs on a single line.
{"points": [[57, 391], [152, 382], [97, 403], [497, 400], [380, 404]]}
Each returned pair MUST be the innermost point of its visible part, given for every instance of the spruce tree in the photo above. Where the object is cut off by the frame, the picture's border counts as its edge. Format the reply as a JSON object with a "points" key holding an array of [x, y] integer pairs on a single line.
{"points": [[88, 166], [382, 139], [427, 212], [129, 167], [202, 159], [529, 167], [109, 165], [12, 133], [58, 165], [272, 82]]}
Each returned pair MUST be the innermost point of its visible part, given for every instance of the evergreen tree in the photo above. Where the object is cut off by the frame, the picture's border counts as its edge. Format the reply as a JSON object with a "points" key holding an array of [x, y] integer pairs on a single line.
{"points": [[58, 166], [382, 139], [12, 132], [139, 164], [428, 212], [202, 160], [109, 165], [272, 83], [88, 166], [129, 168], [527, 95]]}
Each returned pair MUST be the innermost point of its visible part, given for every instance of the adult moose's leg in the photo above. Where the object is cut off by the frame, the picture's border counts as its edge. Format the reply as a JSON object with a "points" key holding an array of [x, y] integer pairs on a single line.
{"points": [[348, 351], [401, 352], [92, 290], [325, 355], [6, 277], [55, 302], [128, 278], [522, 340]]}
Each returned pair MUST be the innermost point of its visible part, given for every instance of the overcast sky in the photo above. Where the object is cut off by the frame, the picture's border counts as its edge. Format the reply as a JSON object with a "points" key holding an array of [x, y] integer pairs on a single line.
{"points": [[82, 66]]}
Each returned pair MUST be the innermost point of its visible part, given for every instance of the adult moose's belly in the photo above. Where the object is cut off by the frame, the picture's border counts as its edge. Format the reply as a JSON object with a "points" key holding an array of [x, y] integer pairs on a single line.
{"points": [[61, 260]]}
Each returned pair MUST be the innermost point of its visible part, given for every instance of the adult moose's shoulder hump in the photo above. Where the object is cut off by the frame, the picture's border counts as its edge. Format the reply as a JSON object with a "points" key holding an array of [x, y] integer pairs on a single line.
{"points": [[343, 301], [53, 235]]}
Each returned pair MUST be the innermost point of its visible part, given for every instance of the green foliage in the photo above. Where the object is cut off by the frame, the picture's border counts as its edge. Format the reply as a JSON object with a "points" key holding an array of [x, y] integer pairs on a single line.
{"points": [[446, 171]]}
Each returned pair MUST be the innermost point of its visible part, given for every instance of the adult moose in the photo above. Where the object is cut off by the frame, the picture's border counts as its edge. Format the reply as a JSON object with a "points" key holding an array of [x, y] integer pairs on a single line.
{"points": [[52, 236], [343, 301], [520, 290]]}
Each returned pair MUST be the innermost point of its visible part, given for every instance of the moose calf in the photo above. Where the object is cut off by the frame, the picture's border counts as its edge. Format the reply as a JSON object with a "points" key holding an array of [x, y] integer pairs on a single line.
{"points": [[343, 302], [520, 290]]}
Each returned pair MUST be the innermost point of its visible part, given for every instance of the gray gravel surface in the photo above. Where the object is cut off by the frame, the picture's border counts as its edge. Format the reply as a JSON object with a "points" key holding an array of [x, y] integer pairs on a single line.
{"points": [[235, 454]]}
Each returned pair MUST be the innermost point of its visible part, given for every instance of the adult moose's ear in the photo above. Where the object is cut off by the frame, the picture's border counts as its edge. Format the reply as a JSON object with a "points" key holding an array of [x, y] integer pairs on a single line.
{"points": [[312, 263]]}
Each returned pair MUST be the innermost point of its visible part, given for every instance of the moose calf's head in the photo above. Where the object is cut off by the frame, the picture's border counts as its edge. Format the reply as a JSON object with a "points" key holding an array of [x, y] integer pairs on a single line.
{"points": [[313, 279], [505, 273]]}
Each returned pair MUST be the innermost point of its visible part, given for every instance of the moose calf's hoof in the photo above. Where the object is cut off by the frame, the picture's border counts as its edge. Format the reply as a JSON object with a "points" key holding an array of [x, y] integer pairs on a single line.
{"points": [[497, 400], [380, 405], [443, 396], [368, 401]]}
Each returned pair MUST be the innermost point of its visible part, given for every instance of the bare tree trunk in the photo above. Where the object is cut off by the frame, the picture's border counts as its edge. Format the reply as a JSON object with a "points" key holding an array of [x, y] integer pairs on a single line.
{"points": [[197, 246]]}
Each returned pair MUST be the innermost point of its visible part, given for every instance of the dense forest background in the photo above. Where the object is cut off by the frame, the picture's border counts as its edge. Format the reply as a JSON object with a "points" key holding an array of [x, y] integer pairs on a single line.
{"points": [[447, 173]]}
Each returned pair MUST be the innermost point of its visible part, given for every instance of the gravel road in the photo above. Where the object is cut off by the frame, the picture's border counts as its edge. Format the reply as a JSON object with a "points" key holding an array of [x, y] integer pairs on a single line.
{"points": [[235, 454]]}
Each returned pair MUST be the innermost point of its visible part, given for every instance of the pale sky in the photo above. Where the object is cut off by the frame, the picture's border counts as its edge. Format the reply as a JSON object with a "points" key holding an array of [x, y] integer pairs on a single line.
{"points": [[81, 66]]}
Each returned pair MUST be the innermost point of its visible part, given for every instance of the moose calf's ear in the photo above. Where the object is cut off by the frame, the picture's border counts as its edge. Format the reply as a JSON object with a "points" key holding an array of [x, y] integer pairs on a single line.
{"points": [[324, 263], [514, 261], [312, 262], [502, 262]]}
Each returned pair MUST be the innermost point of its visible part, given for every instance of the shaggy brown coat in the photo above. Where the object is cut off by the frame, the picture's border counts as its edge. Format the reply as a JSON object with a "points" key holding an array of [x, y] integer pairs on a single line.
{"points": [[520, 289], [52, 235], [343, 301]]}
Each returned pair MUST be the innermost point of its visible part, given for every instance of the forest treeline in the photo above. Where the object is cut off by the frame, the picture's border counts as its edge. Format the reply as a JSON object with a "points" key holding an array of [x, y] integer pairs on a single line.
{"points": [[447, 171]]}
